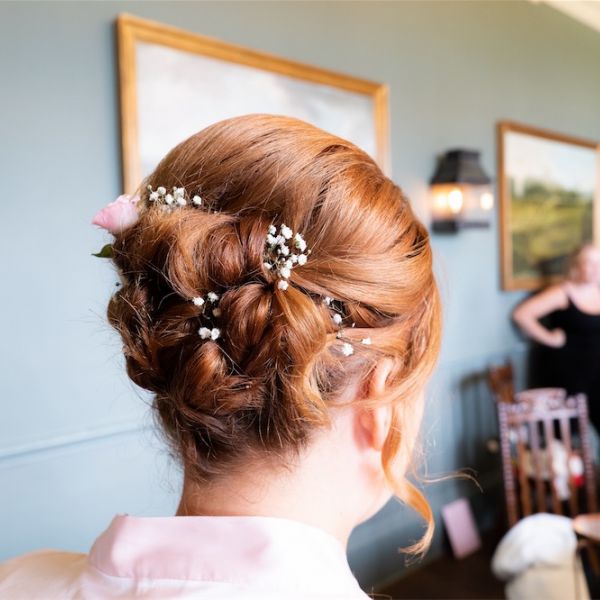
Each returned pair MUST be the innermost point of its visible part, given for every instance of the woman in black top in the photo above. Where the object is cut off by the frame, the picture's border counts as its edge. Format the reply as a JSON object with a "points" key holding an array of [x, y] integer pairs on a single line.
{"points": [[573, 341]]}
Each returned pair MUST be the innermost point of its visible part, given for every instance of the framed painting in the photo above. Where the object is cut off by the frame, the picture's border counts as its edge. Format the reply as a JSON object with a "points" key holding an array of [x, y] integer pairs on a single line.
{"points": [[549, 188], [174, 83]]}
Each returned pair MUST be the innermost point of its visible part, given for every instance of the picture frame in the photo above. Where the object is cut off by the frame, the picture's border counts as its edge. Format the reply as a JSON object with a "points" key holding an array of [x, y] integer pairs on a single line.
{"points": [[173, 83], [549, 202]]}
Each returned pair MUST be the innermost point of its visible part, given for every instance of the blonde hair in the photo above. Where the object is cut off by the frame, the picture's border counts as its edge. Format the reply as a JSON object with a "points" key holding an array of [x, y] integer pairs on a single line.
{"points": [[575, 256], [270, 381]]}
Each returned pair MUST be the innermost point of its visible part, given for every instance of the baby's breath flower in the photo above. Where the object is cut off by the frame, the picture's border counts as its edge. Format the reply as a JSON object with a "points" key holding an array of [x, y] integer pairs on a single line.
{"points": [[347, 349], [299, 242], [366, 341], [337, 318], [212, 297], [206, 333], [175, 198], [278, 256], [198, 301]]}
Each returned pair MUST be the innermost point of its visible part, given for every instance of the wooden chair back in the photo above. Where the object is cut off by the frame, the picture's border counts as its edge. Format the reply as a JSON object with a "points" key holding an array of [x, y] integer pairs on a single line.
{"points": [[501, 381], [529, 429]]}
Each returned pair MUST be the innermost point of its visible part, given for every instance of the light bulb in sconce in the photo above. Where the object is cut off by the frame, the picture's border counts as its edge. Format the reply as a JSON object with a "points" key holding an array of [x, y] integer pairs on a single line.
{"points": [[460, 192], [455, 200], [486, 201], [440, 202]]}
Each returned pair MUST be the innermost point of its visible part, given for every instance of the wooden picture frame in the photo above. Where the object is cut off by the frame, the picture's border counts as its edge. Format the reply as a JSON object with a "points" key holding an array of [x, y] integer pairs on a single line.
{"points": [[157, 62], [549, 191]]}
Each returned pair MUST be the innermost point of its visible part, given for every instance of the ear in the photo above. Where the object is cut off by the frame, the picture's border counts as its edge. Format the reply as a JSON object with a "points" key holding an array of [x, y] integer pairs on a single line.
{"points": [[375, 422]]}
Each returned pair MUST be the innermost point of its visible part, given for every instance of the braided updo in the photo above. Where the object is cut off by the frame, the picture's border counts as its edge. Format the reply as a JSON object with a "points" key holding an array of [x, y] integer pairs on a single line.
{"points": [[270, 380]]}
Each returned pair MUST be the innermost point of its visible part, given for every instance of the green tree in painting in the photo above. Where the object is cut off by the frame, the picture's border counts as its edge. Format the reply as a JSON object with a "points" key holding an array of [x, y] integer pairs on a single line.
{"points": [[547, 223]]}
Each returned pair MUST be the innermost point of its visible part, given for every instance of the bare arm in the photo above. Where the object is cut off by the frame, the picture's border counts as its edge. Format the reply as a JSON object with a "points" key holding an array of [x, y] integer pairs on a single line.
{"points": [[527, 315]]}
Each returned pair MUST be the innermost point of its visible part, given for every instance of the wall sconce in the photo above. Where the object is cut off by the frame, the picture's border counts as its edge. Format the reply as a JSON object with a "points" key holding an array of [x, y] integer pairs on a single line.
{"points": [[461, 194]]}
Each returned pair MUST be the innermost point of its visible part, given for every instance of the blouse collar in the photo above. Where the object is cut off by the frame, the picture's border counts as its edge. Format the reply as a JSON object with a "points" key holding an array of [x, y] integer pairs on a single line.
{"points": [[263, 552]]}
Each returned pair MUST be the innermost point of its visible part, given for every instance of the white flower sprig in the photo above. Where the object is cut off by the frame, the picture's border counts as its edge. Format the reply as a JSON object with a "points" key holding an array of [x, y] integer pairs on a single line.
{"points": [[206, 333], [337, 317], [170, 200], [280, 258], [203, 302], [347, 349]]}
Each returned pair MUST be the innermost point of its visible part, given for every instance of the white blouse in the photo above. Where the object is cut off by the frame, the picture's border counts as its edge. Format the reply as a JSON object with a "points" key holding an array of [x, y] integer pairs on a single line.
{"points": [[245, 558]]}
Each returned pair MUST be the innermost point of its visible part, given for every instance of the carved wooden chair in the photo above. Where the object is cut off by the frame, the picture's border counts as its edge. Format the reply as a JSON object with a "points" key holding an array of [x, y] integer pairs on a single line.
{"points": [[501, 380], [540, 451]]}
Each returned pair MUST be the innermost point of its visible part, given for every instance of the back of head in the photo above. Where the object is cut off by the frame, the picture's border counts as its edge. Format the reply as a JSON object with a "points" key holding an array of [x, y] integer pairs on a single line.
{"points": [[271, 378]]}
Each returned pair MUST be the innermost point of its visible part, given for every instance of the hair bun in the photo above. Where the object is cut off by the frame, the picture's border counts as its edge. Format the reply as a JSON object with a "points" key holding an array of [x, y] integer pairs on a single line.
{"points": [[269, 380]]}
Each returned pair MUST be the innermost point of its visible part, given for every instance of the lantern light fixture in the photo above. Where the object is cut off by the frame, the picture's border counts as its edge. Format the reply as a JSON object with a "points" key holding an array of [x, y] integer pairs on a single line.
{"points": [[461, 194]]}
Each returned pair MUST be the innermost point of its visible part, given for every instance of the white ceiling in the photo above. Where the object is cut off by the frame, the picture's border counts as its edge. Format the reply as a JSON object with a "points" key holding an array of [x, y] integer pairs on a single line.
{"points": [[585, 11]]}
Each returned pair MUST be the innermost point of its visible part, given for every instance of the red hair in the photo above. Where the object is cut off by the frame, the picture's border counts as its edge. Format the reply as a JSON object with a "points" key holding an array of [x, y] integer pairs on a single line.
{"points": [[270, 381]]}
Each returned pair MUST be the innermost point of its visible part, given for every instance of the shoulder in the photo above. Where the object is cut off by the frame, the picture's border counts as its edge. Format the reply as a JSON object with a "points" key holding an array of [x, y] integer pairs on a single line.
{"points": [[41, 574], [558, 293], [552, 298]]}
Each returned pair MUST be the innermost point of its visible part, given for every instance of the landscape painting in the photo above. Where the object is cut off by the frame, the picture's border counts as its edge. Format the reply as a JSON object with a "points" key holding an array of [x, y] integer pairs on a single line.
{"points": [[549, 194]]}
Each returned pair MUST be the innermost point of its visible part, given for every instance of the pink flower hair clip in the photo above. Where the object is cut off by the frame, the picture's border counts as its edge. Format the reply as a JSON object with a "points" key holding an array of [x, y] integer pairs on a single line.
{"points": [[122, 213], [118, 215], [115, 217]]}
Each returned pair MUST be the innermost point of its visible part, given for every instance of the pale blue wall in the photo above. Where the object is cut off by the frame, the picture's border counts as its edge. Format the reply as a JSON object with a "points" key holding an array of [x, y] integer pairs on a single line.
{"points": [[75, 439]]}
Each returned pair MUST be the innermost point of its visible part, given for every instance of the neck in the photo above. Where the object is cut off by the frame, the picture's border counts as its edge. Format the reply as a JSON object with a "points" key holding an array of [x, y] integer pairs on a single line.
{"points": [[325, 486], [261, 492]]}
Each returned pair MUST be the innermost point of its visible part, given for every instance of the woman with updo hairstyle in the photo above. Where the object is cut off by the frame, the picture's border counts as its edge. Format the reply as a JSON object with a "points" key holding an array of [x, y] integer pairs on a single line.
{"points": [[278, 301], [564, 319]]}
